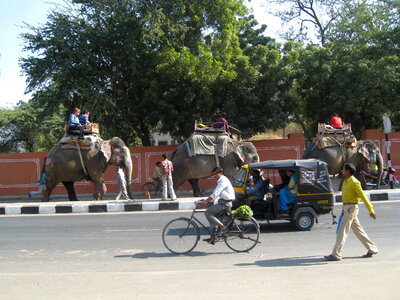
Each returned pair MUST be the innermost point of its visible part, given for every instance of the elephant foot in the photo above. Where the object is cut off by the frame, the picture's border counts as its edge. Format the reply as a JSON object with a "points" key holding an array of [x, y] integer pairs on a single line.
{"points": [[45, 200], [76, 199]]}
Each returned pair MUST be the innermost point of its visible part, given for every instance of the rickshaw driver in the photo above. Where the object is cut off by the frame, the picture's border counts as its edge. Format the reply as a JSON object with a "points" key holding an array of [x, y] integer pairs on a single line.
{"points": [[255, 187], [287, 195], [226, 194]]}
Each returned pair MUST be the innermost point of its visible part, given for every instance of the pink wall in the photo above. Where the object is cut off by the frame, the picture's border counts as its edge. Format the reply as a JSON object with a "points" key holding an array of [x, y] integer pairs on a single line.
{"points": [[19, 172]]}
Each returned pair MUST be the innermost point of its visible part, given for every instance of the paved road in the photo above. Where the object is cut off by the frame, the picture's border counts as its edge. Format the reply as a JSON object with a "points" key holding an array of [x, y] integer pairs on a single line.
{"points": [[121, 256]]}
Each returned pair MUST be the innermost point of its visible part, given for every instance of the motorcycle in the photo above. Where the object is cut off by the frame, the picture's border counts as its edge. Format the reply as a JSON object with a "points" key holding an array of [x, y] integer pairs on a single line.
{"points": [[372, 177]]}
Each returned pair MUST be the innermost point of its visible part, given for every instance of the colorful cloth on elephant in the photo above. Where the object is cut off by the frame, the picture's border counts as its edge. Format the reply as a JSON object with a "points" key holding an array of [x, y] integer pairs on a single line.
{"points": [[207, 144], [336, 140]]}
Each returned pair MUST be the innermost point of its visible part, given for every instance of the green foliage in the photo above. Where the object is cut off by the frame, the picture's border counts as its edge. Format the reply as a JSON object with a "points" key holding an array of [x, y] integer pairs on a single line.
{"points": [[141, 66], [29, 128], [356, 74]]}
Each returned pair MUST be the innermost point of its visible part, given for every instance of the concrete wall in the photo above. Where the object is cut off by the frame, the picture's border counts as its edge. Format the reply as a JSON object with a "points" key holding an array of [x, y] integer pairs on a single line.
{"points": [[19, 172]]}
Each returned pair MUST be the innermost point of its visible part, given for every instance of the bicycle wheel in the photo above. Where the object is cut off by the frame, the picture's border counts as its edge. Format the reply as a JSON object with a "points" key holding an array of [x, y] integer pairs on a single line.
{"points": [[242, 235], [148, 186], [180, 236]]}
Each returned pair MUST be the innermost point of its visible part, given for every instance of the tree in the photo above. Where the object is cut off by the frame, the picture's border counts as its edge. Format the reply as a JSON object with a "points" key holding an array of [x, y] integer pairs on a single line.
{"points": [[356, 83], [146, 65], [107, 57], [301, 14], [29, 128]]}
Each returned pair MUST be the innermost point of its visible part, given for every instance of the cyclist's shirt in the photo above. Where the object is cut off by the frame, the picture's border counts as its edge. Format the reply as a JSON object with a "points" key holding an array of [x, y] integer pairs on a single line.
{"points": [[157, 172], [224, 189]]}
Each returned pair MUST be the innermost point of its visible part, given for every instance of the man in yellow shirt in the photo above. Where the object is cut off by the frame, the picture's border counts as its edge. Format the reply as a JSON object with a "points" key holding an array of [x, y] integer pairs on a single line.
{"points": [[351, 195]]}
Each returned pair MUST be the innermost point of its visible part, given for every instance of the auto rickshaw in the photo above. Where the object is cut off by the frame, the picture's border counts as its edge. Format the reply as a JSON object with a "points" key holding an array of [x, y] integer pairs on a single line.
{"points": [[314, 191]]}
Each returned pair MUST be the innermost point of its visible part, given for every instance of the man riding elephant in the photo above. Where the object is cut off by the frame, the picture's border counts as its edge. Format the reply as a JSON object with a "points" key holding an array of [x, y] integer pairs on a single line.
{"points": [[191, 164], [364, 152], [67, 163]]}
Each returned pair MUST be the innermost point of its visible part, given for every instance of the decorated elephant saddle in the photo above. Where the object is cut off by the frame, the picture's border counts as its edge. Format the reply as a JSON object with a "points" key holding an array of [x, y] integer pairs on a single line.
{"points": [[72, 141], [207, 144]]}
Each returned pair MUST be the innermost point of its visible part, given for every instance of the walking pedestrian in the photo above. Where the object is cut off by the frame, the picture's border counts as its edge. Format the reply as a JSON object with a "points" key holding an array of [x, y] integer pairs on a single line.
{"points": [[351, 195], [166, 177], [122, 184], [157, 175], [41, 187]]}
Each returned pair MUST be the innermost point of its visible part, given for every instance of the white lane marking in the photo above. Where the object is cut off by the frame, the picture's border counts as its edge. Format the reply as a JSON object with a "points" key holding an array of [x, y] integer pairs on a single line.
{"points": [[131, 230]]}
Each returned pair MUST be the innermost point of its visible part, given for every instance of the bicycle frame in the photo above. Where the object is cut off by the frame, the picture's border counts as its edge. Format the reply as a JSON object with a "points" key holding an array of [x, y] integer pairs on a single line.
{"points": [[195, 220]]}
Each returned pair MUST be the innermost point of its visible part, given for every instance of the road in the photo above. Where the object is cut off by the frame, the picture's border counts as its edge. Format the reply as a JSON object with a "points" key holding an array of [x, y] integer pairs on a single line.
{"points": [[121, 256]]}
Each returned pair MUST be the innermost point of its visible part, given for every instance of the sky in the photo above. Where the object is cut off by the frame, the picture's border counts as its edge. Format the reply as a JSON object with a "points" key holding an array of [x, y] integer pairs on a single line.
{"points": [[13, 15]]}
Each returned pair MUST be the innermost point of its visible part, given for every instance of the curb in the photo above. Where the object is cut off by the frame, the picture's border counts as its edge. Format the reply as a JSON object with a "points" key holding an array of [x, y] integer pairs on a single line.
{"points": [[95, 206], [137, 205]]}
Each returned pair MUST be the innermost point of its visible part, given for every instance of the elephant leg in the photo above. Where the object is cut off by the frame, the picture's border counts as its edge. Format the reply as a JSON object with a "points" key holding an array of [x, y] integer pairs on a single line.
{"points": [[361, 177], [98, 190], [69, 186], [341, 183], [47, 192], [195, 186]]}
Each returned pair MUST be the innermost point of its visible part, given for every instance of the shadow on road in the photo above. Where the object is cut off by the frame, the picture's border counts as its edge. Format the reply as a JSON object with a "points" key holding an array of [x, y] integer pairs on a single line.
{"points": [[145, 255], [288, 262], [294, 261]]}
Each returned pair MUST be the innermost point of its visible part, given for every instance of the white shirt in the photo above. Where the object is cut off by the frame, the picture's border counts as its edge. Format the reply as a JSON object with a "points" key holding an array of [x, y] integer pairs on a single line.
{"points": [[224, 189]]}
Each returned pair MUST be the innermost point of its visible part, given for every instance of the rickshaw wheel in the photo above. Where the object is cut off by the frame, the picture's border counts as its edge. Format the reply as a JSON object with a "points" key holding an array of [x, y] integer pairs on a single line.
{"points": [[305, 221]]}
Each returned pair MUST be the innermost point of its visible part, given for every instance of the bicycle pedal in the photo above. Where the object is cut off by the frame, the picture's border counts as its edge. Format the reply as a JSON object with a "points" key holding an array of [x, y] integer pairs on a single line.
{"points": [[210, 241]]}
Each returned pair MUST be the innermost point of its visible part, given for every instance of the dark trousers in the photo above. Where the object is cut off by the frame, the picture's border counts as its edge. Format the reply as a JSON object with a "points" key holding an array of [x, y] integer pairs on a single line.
{"points": [[73, 128]]}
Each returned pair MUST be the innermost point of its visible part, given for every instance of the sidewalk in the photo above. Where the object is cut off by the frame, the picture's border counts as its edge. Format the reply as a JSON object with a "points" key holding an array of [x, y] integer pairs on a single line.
{"points": [[12, 205]]}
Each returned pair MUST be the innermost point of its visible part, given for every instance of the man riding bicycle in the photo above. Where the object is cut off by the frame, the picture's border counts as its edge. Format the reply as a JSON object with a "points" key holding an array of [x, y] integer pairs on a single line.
{"points": [[226, 194]]}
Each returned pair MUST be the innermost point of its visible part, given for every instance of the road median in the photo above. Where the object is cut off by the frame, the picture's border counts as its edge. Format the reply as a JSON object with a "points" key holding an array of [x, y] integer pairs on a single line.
{"points": [[94, 206]]}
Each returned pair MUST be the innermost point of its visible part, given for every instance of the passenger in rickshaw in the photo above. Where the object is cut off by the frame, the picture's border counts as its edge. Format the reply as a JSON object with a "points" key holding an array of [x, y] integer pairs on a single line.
{"points": [[285, 180], [287, 195], [255, 187]]}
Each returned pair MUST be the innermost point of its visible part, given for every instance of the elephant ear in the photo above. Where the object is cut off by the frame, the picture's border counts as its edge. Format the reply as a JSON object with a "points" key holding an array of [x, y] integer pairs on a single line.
{"points": [[106, 150], [366, 151]]}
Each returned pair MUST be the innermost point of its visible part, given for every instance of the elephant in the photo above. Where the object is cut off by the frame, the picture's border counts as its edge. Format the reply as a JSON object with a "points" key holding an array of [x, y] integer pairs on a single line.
{"points": [[193, 168], [64, 165], [365, 152]]}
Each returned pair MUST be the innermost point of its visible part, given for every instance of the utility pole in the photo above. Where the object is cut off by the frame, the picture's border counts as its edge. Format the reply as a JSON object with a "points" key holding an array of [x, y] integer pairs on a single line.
{"points": [[387, 125]]}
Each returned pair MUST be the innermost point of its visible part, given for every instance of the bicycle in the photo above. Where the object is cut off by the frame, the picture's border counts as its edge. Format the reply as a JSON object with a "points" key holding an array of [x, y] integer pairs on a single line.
{"points": [[152, 187], [181, 235]]}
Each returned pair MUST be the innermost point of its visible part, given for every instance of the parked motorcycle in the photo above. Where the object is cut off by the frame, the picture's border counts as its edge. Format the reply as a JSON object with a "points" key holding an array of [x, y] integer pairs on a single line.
{"points": [[372, 177]]}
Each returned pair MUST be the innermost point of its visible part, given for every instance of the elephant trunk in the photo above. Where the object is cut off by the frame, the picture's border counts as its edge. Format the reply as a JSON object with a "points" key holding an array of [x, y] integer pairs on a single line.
{"points": [[128, 179], [379, 163], [128, 171]]}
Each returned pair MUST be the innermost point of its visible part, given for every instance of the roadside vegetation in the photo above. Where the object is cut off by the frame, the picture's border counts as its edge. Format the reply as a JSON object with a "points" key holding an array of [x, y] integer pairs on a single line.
{"points": [[156, 66]]}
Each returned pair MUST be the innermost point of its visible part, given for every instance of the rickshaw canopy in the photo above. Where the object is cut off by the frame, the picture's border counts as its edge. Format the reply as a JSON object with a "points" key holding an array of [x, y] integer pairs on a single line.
{"points": [[313, 175]]}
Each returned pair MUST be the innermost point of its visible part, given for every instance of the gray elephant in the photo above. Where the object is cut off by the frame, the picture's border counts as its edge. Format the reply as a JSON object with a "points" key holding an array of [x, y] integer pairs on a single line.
{"points": [[65, 165], [365, 152], [192, 168]]}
